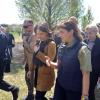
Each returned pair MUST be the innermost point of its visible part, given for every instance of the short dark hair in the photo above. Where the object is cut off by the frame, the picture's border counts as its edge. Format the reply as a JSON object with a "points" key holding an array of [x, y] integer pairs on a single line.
{"points": [[28, 21], [98, 24], [4, 25], [44, 28]]}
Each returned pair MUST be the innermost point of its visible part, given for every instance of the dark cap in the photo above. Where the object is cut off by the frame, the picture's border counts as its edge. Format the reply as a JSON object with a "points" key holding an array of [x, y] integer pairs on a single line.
{"points": [[28, 22], [4, 25], [98, 24]]}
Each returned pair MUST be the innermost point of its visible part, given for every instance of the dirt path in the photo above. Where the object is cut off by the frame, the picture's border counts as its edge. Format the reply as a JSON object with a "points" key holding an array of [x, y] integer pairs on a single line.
{"points": [[18, 57], [18, 53]]}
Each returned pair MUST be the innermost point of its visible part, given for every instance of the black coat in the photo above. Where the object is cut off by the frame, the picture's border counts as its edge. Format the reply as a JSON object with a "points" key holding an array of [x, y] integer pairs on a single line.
{"points": [[3, 45], [95, 56]]}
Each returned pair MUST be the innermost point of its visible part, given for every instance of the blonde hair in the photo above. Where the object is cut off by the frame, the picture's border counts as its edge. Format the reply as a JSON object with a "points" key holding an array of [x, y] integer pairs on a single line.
{"points": [[92, 27]]}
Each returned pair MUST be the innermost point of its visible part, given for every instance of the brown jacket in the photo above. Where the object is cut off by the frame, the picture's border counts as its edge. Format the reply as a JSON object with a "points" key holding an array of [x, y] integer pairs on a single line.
{"points": [[46, 75], [28, 52]]}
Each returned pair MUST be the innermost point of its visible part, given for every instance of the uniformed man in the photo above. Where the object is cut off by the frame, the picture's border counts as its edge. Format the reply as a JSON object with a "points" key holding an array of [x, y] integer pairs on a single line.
{"points": [[10, 45], [3, 84], [28, 39]]}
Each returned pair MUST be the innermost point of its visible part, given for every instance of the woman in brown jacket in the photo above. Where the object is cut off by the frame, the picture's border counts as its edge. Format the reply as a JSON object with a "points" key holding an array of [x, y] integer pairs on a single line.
{"points": [[44, 75]]}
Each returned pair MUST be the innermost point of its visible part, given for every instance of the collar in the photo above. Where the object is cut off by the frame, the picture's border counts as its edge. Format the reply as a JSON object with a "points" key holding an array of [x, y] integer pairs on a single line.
{"points": [[73, 42]]}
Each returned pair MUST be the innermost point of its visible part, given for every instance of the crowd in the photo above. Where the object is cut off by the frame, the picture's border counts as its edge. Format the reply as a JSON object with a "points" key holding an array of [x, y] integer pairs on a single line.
{"points": [[75, 55]]}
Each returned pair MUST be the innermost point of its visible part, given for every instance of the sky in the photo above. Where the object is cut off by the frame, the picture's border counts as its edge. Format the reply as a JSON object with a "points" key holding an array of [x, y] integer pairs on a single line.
{"points": [[9, 13]]}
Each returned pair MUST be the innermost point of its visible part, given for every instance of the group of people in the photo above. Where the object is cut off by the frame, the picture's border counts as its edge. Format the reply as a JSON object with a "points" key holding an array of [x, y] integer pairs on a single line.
{"points": [[6, 45], [75, 55]]}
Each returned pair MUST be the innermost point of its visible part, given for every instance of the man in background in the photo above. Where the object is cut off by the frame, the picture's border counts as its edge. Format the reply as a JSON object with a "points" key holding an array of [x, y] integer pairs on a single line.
{"points": [[10, 45], [93, 42], [28, 39], [3, 84]]}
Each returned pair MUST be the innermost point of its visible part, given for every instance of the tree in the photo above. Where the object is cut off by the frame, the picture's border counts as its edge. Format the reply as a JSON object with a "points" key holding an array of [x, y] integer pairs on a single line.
{"points": [[50, 11], [75, 8], [87, 18], [15, 28]]}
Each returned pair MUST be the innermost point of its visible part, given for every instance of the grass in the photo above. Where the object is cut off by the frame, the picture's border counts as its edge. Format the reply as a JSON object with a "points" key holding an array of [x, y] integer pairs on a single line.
{"points": [[16, 77], [17, 36]]}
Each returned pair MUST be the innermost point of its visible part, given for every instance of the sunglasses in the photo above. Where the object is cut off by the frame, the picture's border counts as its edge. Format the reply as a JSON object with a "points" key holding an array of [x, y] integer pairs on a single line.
{"points": [[26, 26]]}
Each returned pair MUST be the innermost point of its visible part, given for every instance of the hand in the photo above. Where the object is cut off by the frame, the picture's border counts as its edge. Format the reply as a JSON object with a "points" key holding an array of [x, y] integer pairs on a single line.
{"points": [[29, 74], [84, 98], [13, 42], [32, 46], [24, 42], [48, 61], [36, 48]]}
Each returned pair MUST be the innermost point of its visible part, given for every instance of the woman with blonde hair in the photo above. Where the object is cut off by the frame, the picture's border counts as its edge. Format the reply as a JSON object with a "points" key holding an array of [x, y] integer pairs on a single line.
{"points": [[93, 42]]}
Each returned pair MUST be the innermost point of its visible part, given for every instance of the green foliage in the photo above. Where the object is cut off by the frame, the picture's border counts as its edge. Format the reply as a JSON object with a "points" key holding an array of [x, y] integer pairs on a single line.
{"points": [[87, 18], [75, 8], [15, 28], [50, 11], [53, 11]]}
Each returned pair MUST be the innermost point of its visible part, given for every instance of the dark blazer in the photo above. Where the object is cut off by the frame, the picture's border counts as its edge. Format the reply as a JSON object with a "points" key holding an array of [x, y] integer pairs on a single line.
{"points": [[3, 45], [95, 56]]}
